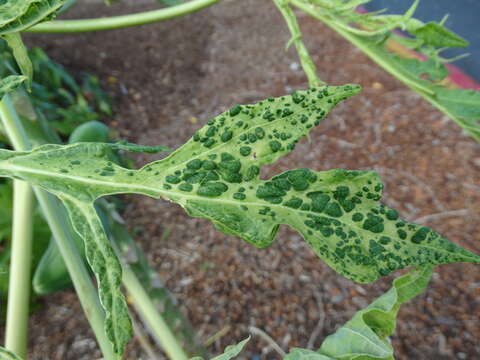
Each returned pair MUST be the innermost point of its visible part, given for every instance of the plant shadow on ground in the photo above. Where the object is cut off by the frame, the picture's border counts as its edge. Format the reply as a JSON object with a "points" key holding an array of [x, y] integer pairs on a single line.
{"points": [[167, 79]]}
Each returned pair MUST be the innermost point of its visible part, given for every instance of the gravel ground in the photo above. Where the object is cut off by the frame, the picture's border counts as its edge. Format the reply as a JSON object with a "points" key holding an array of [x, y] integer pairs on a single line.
{"points": [[167, 79]]}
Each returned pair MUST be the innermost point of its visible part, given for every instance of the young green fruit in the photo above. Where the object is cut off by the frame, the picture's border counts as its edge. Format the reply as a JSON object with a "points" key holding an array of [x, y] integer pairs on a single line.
{"points": [[92, 131]]}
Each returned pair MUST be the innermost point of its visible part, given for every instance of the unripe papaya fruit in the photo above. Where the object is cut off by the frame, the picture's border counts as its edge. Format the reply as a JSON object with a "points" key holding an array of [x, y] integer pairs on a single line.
{"points": [[92, 131]]}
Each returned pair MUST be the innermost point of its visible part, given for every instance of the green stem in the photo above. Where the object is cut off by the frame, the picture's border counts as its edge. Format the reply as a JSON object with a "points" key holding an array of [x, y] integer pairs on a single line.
{"points": [[149, 314], [116, 22], [302, 51], [57, 220], [20, 270]]}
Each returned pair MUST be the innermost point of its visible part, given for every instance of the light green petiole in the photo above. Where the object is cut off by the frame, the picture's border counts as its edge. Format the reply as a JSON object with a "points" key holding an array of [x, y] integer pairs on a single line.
{"points": [[20, 269], [303, 54], [117, 22]]}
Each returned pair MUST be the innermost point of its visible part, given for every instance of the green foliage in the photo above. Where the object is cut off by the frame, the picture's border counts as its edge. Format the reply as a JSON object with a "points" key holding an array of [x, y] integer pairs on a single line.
{"points": [[16, 16], [215, 175], [230, 351], [10, 83], [41, 236], [365, 336], [20, 54], [57, 96], [305, 354], [370, 32], [7, 355]]}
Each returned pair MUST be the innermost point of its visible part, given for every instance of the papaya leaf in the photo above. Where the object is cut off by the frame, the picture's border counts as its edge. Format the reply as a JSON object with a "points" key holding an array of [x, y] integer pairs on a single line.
{"points": [[304, 354], [8, 355], [20, 54], [106, 267], [365, 336], [16, 16], [215, 175], [230, 351], [10, 83]]}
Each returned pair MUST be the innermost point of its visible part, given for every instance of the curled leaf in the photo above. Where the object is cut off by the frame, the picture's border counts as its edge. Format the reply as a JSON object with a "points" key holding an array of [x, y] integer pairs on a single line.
{"points": [[365, 335], [305, 354], [230, 351]]}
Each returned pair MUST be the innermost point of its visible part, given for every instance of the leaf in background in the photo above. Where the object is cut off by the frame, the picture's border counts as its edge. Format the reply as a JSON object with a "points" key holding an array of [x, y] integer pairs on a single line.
{"points": [[10, 83], [6, 197], [16, 16], [20, 54], [7, 355], [439, 36], [304, 354], [170, 2], [417, 67], [230, 351], [362, 30], [462, 103], [57, 96], [365, 335]]}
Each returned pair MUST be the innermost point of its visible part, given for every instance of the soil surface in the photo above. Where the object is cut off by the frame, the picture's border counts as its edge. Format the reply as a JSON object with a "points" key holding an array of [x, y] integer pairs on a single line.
{"points": [[167, 79]]}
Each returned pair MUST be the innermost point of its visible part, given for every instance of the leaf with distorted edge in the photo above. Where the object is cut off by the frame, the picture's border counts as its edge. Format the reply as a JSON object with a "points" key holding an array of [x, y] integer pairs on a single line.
{"points": [[365, 336], [230, 351], [215, 175]]}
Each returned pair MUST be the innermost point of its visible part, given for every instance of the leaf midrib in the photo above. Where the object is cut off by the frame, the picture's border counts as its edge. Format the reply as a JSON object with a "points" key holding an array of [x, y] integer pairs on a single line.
{"points": [[166, 194]]}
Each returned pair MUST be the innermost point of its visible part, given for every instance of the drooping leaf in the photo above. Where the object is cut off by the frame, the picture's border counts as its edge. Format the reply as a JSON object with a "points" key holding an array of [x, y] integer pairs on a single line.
{"points": [[230, 351], [133, 255], [8, 355], [106, 267], [10, 83], [16, 16], [20, 54], [365, 336], [304, 354]]}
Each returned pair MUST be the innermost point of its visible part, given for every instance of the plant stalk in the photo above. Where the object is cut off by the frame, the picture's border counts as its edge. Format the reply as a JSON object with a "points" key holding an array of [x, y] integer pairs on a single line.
{"points": [[117, 22], [16, 333], [150, 316], [56, 218], [307, 63]]}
